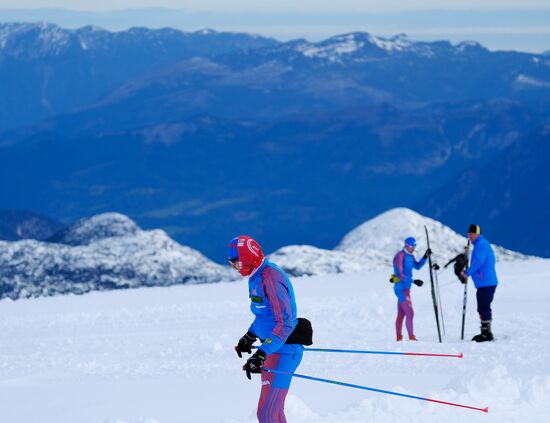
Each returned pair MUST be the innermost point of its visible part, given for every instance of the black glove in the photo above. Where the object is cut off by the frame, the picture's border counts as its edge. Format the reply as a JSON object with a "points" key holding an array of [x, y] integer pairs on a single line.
{"points": [[418, 282], [428, 253], [435, 266], [254, 363], [245, 344]]}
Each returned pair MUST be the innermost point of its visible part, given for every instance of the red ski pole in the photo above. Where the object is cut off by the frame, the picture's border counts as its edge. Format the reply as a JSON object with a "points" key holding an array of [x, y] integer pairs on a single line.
{"points": [[460, 355]]}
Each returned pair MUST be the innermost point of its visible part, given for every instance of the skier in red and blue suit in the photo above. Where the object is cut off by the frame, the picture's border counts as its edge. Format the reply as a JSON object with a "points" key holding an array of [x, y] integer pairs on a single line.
{"points": [[273, 304], [403, 265]]}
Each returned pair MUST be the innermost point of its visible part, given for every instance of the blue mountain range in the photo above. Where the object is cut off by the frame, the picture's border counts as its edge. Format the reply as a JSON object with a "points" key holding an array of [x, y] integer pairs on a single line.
{"points": [[209, 134]]}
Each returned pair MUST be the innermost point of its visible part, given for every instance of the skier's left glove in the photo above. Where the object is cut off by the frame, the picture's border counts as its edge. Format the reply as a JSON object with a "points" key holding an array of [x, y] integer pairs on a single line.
{"points": [[427, 253], [418, 282], [245, 344], [254, 363]]}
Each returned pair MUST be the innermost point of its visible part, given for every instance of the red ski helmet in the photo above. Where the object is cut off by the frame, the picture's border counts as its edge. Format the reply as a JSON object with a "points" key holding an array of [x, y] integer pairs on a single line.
{"points": [[246, 253]]}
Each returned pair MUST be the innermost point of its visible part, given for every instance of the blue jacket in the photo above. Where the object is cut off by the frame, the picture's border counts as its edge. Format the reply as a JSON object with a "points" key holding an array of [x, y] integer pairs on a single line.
{"points": [[274, 306], [482, 265], [403, 265]]}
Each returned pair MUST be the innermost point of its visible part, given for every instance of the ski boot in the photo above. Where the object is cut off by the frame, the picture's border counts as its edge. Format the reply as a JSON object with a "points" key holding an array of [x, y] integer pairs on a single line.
{"points": [[412, 338], [486, 334], [399, 338]]}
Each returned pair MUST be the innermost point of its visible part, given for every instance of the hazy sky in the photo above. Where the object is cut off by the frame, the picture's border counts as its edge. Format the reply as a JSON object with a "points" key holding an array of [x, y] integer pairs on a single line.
{"points": [[281, 5]]}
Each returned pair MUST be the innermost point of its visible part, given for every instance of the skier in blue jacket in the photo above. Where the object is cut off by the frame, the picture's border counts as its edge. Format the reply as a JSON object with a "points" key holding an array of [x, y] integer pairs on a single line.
{"points": [[483, 272], [403, 265], [273, 304]]}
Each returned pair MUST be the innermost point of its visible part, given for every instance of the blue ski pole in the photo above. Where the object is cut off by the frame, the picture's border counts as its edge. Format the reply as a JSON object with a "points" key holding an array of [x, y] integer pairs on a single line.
{"points": [[382, 391], [332, 350]]}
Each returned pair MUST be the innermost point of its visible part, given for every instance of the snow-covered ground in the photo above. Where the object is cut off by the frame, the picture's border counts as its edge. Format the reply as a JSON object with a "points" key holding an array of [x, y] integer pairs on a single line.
{"points": [[165, 355]]}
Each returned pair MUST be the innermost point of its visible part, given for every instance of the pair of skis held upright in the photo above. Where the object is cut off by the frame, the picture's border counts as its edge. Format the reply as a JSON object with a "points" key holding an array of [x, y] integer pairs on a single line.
{"points": [[436, 297]]}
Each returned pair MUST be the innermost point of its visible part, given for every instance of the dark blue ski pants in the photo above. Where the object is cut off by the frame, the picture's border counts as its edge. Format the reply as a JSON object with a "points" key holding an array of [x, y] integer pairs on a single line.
{"points": [[485, 297]]}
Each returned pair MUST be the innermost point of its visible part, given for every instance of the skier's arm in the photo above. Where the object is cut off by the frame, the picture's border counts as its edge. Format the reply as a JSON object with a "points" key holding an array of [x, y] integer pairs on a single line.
{"points": [[279, 299], [418, 264], [478, 259]]}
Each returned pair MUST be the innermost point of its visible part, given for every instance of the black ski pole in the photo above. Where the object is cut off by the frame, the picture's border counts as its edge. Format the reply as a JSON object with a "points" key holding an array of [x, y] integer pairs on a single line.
{"points": [[465, 300], [433, 286]]}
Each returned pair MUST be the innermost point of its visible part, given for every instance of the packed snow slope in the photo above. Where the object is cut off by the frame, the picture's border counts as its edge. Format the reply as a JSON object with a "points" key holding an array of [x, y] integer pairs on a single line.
{"points": [[165, 354]]}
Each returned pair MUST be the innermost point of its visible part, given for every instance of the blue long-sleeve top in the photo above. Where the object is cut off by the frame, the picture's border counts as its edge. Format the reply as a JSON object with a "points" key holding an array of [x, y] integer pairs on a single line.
{"points": [[482, 264], [273, 303], [403, 265]]}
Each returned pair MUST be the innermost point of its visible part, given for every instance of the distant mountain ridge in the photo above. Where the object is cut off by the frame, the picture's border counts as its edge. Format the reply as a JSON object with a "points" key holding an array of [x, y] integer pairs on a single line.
{"points": [[20, 224], [331, 132], [54, 70], [47, 70]]}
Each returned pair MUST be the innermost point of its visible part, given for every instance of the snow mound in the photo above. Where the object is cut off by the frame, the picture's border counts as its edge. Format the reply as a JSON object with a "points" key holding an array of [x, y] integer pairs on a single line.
{"points": [[372, 246], [386, 232], [96, 256], [101, 226]]}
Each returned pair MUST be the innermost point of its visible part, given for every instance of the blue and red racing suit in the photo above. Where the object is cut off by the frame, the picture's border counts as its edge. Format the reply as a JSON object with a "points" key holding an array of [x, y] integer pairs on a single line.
{"points": [[403, 265], [273, 303]]}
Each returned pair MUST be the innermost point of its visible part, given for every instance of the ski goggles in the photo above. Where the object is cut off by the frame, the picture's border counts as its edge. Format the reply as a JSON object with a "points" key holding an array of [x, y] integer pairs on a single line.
{"points": [[234, 262]]}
